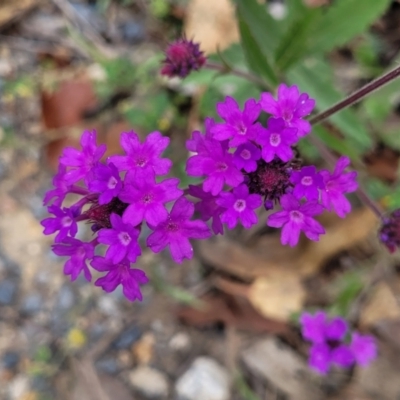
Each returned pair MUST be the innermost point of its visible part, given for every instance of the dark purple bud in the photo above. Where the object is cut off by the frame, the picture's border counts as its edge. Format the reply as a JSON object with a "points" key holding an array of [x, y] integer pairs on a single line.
{"points": [[268, 205], [389, 233]]}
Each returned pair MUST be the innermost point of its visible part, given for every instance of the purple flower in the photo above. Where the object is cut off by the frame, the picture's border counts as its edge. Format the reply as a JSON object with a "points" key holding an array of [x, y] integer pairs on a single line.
{"points": [[176, 230], [363, 348], [106, 181], [122, 239], [239, 125], [217, 164], [389, 233], [296, 218], [319, 358], [306, 182], [143, 159], [61, 187], [82, 162], [277, 140], [197, 144], [239, 205], [78, 253], [208, 208], [246, 157], [336, 185], [182, 57], [342, 356], [291, 106], [147, 198], [120, 274], [64, 222], [313, 326]]}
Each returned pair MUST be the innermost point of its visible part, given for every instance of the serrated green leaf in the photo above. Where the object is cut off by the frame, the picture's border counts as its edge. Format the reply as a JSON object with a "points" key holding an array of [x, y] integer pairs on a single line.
{"points": [[294, 43], [343, 20], [315, 78], [256, 59]]}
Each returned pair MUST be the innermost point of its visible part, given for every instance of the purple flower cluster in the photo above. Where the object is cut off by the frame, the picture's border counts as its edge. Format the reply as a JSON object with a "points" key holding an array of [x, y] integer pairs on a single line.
{"points": [[329, 344], [117, 197], [182, 57], [389, 233], [245, 165]]}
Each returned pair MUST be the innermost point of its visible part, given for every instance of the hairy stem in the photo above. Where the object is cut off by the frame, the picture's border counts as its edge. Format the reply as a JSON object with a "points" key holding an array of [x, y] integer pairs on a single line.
{"points": [[356, 96]]}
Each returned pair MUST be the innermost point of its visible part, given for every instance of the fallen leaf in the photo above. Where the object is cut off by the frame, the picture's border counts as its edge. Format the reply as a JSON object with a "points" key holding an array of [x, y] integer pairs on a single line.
{"points": [[143, 349], [278, 296], [212, 23], [231, 311]]}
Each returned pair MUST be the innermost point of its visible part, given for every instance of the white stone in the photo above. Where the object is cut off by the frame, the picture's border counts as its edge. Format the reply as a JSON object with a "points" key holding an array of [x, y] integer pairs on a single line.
{"points": [[180, 342], [149, 381], [205, 380]]}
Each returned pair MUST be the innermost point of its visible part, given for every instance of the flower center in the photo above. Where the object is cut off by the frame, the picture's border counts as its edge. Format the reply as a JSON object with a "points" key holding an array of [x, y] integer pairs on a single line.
{"points": [[242, 129], [172, 226], [275, 139], [245, 154], [307, 181], [112, 182], [239, 205], [221, 167], [124, 238], [296, 216], [66, 221], [141, 161], [147, 198], [287, 115]]}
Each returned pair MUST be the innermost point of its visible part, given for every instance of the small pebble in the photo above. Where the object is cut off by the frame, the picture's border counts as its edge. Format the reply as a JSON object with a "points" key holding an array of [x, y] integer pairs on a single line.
{"points": [[8, 290], [10, 360], [150, 382], [129, 336]]}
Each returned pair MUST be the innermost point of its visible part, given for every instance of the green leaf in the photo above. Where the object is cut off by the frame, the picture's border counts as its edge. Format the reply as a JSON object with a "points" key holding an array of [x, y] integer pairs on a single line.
{"points": [[315, 77], [294, 43], [265, 30], [256, 59], [343, 20]]}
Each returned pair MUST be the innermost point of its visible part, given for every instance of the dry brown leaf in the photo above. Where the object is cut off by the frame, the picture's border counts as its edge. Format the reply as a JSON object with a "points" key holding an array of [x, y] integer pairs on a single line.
{"points": [[144, 348], [382, 305], [277, 296], [212, 23]]}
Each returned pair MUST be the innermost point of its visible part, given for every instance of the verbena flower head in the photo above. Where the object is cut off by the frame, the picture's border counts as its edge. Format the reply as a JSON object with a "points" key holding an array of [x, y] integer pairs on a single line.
{"points": [[336, 185], [277, 140], [181, 58], [291, 105], [142, 158], [239, 205], [239, 126], [296, 217], [389, 233], [176, 231], [120, 274], [329, 344]]}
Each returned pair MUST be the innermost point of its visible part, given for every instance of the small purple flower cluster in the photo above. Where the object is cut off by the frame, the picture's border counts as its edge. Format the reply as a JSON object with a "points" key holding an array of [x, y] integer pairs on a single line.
{"points": [[181, 58], [389, 233], [329, 346], [118, 196], [246, 165]]}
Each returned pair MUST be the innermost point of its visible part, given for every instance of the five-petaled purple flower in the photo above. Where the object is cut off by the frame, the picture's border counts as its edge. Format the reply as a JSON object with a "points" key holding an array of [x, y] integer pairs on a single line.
{"points": [[239, 126], [82, 162], [291, 106], [329, 346], [336, 185], [295, 218], [120, 274], [122, 240], [78, 253], [239, 205], [306, 182], [64, 222], [143, 158], [106, 181], [176, 230], [277, 140], [147, 199], [246, 157]]}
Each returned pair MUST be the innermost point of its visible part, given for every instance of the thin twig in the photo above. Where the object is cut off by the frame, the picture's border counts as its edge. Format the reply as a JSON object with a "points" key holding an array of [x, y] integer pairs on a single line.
{"points": [[356, 96]]}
